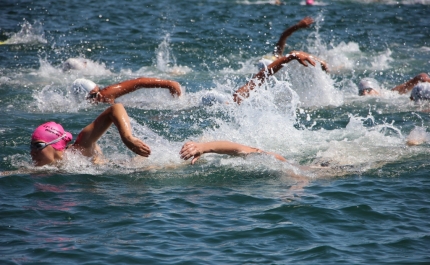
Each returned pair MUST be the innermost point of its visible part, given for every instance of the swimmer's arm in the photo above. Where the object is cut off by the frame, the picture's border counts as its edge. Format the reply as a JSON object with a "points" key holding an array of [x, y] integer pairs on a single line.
{"points": [[116, 114], [195, 150], [280, 45], [110, 93], [324, 65], [302, 57], [408, 85]]}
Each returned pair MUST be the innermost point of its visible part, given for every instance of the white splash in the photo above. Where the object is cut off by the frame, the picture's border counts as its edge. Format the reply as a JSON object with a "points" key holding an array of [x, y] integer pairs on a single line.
{"points": [[166, 61], [28, 34]]}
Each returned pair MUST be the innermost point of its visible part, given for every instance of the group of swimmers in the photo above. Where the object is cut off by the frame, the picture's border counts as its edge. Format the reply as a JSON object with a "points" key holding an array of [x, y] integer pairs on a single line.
{"points": [[49, 142]]}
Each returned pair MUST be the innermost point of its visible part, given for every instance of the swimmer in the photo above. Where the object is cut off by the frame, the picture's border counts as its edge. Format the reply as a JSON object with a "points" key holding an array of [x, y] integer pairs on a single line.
{"points": [[368, 87], [111, 92], [196, 150], [280, 45], [302, 57], [50, 142], [411, 85], [74, 64], [419, 86]]}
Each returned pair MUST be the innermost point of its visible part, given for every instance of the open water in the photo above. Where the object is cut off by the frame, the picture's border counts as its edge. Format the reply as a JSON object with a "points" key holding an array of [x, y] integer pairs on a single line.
{"points": [[370, 205]]}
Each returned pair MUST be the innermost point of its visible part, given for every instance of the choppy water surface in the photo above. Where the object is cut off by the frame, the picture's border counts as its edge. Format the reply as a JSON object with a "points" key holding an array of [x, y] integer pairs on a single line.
{"points": [[369, 206]]}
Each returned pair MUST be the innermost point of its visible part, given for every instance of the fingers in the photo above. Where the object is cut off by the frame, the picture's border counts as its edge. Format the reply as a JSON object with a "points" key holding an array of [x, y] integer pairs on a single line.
{"points": [[92, 96], [237, 99], [302, 62], [142, 150], [306, 60], [195, 159], [303, 58], [324, 67], [175, 92], [310, 61], [137, 146], [188, 150]]}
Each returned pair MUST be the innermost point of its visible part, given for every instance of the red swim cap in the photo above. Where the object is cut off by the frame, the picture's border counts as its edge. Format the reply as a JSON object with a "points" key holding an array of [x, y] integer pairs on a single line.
{"points": [[51, 131]]}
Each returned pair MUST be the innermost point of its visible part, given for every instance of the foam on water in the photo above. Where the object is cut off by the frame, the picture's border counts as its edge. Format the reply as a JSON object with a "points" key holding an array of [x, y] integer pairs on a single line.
{"points": [[28, 34], [267, 119], [166, 60], [273, 105], [80, 66]]}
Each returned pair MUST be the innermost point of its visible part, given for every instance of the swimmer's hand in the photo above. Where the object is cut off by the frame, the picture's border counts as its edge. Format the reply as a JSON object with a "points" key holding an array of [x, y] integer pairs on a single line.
{"points": [[137, 146], [277, 156], [304, 23], [95, 96], [303, 58], [192, 149], [175, 89], [324, 65]]}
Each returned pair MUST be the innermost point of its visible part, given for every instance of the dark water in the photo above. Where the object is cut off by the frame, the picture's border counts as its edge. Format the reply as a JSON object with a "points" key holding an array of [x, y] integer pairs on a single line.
{"points": [[370, 206]]}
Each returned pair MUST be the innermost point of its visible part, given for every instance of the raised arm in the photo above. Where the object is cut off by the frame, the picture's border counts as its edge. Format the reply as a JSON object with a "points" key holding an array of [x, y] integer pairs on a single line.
{"points": [[110, 93], [273, 68], [408, 85], [195, 150], [116, 114], [280, 45]]}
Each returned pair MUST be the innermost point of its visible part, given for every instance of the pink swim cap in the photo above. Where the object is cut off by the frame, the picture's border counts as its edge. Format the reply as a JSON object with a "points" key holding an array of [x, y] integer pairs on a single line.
{"points": [[51, 131], [309, 2]]}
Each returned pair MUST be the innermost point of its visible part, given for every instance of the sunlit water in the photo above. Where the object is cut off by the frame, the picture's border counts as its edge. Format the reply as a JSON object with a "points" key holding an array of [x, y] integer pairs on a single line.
{"points": [[352, 191]]}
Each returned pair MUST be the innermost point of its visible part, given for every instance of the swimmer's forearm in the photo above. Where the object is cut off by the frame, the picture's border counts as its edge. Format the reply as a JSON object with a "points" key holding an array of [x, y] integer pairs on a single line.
{"points": [[231, 148], [93, 131], [280, 45], [195, 150], [226, 147], [273, 68], [243, 92], [112, 92]]}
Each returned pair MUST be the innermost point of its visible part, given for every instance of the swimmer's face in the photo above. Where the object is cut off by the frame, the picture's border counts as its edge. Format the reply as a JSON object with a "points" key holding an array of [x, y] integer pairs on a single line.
{"points": [[43, 156], [368, 92]]}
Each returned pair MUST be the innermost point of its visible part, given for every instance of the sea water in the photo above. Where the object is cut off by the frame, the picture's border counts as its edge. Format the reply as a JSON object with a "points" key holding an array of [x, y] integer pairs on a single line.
{"points": [[351, 191]]}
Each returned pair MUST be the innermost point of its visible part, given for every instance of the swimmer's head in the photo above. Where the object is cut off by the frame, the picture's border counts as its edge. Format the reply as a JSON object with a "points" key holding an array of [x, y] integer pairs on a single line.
{"points": [[368, 86], [213, 98], [52, 133], [265, 61], [421, 91], [74, 64], [309, 2], [83, 85]]}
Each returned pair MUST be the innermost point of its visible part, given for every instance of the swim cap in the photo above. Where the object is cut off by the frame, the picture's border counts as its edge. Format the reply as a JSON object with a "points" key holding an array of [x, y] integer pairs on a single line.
{"points": [[213, 98], [50, 131], [74, 64], [367, 83], [82, 85], [309, 2], [421, 91], [264, 62]]}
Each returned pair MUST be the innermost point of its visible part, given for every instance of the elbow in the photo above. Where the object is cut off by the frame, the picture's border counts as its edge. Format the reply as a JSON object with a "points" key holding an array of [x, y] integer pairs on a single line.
{"points": [[116, 106], [423, 77]]}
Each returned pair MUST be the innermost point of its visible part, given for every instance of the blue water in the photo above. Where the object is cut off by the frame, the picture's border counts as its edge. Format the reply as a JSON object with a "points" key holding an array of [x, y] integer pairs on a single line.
{"points": [[369, 206]]}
